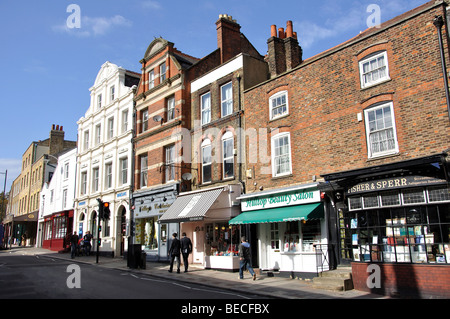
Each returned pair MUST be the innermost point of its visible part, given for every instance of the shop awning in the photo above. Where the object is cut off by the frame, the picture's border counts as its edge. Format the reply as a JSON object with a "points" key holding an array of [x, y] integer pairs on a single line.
{"points": [[280, 214], [190, 207]]}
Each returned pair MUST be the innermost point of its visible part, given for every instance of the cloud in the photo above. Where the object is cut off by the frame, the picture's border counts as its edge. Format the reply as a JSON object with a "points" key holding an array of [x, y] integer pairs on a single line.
{"points": [[93, 26], [150, 4]]}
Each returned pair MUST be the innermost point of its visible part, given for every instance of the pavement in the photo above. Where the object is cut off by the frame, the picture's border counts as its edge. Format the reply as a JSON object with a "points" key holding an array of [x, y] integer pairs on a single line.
{"points": [[264, 286]]}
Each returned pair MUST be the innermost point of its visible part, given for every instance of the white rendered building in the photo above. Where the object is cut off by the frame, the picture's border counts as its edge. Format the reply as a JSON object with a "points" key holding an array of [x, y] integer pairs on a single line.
{"points": [[104, 160], [55, 220]]}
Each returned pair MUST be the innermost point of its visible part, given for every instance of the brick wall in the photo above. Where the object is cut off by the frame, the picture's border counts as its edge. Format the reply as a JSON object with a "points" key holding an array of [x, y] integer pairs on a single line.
{"points": [[405, 280], [325, 98]]}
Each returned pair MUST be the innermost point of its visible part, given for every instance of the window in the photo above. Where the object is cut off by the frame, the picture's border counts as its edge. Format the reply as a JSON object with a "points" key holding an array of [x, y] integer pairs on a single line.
{"points": [[66, 170], [110, 128], [112, 92], [170, 160], [108, 175], [144, 121], [98, 134], [206, 161], [144, 168], [99, 101], [380, 130], [83, 183], [281, 155], [95, 179], [86, 141], [170, 108], [64, 199], [278, 105], [123, 171], [374, 69], [151, 79], [162, 72], [227, 99], [228, 154], [124, 121], [205, 100]]}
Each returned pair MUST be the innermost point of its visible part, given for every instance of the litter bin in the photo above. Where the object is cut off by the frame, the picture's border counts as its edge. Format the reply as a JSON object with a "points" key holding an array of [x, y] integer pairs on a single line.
{"points": [[143, 263], [134, 256]]}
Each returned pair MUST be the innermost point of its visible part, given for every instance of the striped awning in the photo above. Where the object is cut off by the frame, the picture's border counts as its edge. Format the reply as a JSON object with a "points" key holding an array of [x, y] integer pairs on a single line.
{"points": [[191, 207]]}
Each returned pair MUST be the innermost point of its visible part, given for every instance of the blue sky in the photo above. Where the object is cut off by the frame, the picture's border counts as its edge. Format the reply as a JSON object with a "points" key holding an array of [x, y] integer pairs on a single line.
{"points": [[48, 68]]}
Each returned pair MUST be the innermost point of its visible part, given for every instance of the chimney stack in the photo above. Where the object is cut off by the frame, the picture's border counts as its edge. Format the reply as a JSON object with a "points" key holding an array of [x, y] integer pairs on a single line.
{"points": [[228, 37], [284, 51], [56, 142]]}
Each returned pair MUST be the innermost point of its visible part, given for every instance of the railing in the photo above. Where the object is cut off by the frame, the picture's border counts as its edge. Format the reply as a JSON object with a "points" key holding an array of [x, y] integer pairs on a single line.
{"points": [[324, 257]]}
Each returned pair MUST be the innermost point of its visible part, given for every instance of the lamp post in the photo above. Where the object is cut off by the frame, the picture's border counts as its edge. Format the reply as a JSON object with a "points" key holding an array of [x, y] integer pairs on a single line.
{"points": [[4, 199]]}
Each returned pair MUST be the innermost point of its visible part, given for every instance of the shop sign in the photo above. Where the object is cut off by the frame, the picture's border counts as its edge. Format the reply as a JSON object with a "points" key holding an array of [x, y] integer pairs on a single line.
{"points": [[281, 200], [393, 183], [152, 209]]}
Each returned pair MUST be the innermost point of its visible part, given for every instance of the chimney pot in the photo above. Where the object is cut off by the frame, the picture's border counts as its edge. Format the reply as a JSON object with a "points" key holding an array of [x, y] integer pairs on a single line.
{"points": [[289, 30], [61, 128], [281, 34], [53, 126], [273, 30], [295, 35]]}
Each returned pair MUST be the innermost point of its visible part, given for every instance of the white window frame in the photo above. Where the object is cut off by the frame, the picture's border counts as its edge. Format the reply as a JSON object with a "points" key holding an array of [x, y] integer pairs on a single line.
{"points": [[112, 91], [95, 179], [99, 101], [123, 163], [83, 185], [369, 133], [170, 160], [66, 170], [151, 79], [64, 198], [124, 121], [145, 121], [110, 128], [205, 145], [226, 99], [171, 108], [162, 72], [227, 138], [376, 70], [144, 171], [98, 134], [275, 99], [108, 175], [205, 108], [274, 156], [86, 140]]}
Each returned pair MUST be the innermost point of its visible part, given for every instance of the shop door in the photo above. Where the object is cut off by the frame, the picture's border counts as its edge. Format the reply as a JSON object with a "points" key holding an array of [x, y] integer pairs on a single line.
{"points": [[273, 255], [345, 244]]}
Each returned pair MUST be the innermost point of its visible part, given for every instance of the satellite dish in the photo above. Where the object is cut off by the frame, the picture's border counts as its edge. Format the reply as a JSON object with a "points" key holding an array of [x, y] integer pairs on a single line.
{"points": [[186, 176], [157, 118]]}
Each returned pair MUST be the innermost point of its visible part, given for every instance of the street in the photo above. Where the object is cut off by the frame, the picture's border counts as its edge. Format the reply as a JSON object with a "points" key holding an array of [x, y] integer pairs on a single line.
{"points": [[43, 277]]}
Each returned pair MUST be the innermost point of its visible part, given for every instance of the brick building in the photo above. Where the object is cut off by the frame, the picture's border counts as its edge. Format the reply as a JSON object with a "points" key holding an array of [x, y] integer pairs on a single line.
{"points": [[162, 110], [367, 124], [215, 147]]}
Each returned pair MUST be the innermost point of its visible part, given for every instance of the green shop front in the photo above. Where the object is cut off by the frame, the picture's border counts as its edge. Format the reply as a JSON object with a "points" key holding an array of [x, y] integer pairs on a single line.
{"points": [[291, 230]]}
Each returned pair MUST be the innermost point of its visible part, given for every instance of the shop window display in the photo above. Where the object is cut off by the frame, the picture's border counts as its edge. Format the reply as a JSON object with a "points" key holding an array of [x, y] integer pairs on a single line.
{"points": [[417, 232], [146, 233], [222, 239]]}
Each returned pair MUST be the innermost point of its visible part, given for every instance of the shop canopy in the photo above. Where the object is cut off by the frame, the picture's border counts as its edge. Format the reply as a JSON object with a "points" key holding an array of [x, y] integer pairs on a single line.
{"points": [[191, 206], [280, 214]]}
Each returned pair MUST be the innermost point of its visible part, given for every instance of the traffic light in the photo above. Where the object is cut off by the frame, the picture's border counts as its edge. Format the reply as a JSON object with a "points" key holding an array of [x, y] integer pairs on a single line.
{"points": [[106, 211]]}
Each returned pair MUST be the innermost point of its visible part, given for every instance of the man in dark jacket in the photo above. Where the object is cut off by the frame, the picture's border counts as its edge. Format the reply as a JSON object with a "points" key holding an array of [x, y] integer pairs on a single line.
{"points": [[245, 257], [74, 244], [186, 249], [174, 251]]}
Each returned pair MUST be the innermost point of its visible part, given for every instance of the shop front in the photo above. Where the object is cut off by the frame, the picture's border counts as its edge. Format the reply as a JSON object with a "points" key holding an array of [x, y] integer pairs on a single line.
{"points": [[291, 229], [396, 217], [149, 206], [56, 229], [204, 215]]}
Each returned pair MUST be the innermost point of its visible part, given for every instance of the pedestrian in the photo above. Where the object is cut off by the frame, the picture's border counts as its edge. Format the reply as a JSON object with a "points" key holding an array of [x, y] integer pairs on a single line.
{"points": [[186, 249], [87, 243], [74, 244], [245, 258], [174, 252]]}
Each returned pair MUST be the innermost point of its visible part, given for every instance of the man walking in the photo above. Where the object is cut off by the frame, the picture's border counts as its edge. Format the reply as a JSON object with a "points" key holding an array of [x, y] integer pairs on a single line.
{"points": [[245, 258], [186, 249], [74, 244], [174, 252]]}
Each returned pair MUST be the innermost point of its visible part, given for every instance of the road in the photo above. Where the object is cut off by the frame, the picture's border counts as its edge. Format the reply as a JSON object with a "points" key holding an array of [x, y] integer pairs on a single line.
{"points": [[42, 277]]}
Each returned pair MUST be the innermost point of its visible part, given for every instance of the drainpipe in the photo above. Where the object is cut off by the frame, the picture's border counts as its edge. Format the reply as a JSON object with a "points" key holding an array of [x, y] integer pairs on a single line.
{"points": [[131, 189], [240, 135], [438, 23]]}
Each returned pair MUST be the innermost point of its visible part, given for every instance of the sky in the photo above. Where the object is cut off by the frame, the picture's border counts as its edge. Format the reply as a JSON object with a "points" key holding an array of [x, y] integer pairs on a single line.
{"points": [[50, 58]]}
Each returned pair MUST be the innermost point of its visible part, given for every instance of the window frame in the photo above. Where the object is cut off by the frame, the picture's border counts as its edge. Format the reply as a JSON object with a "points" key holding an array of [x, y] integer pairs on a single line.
{"points": [[206, 144], [110, 127], [143, 173], [368, 59], [169, 156], [370, 153], [123, 167], [206, 110], [228, 101], [151, 79], [227, 137], [144, 121], [162, 72], [271, 106], [108, 175], [170, 108], [289, 154]]}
